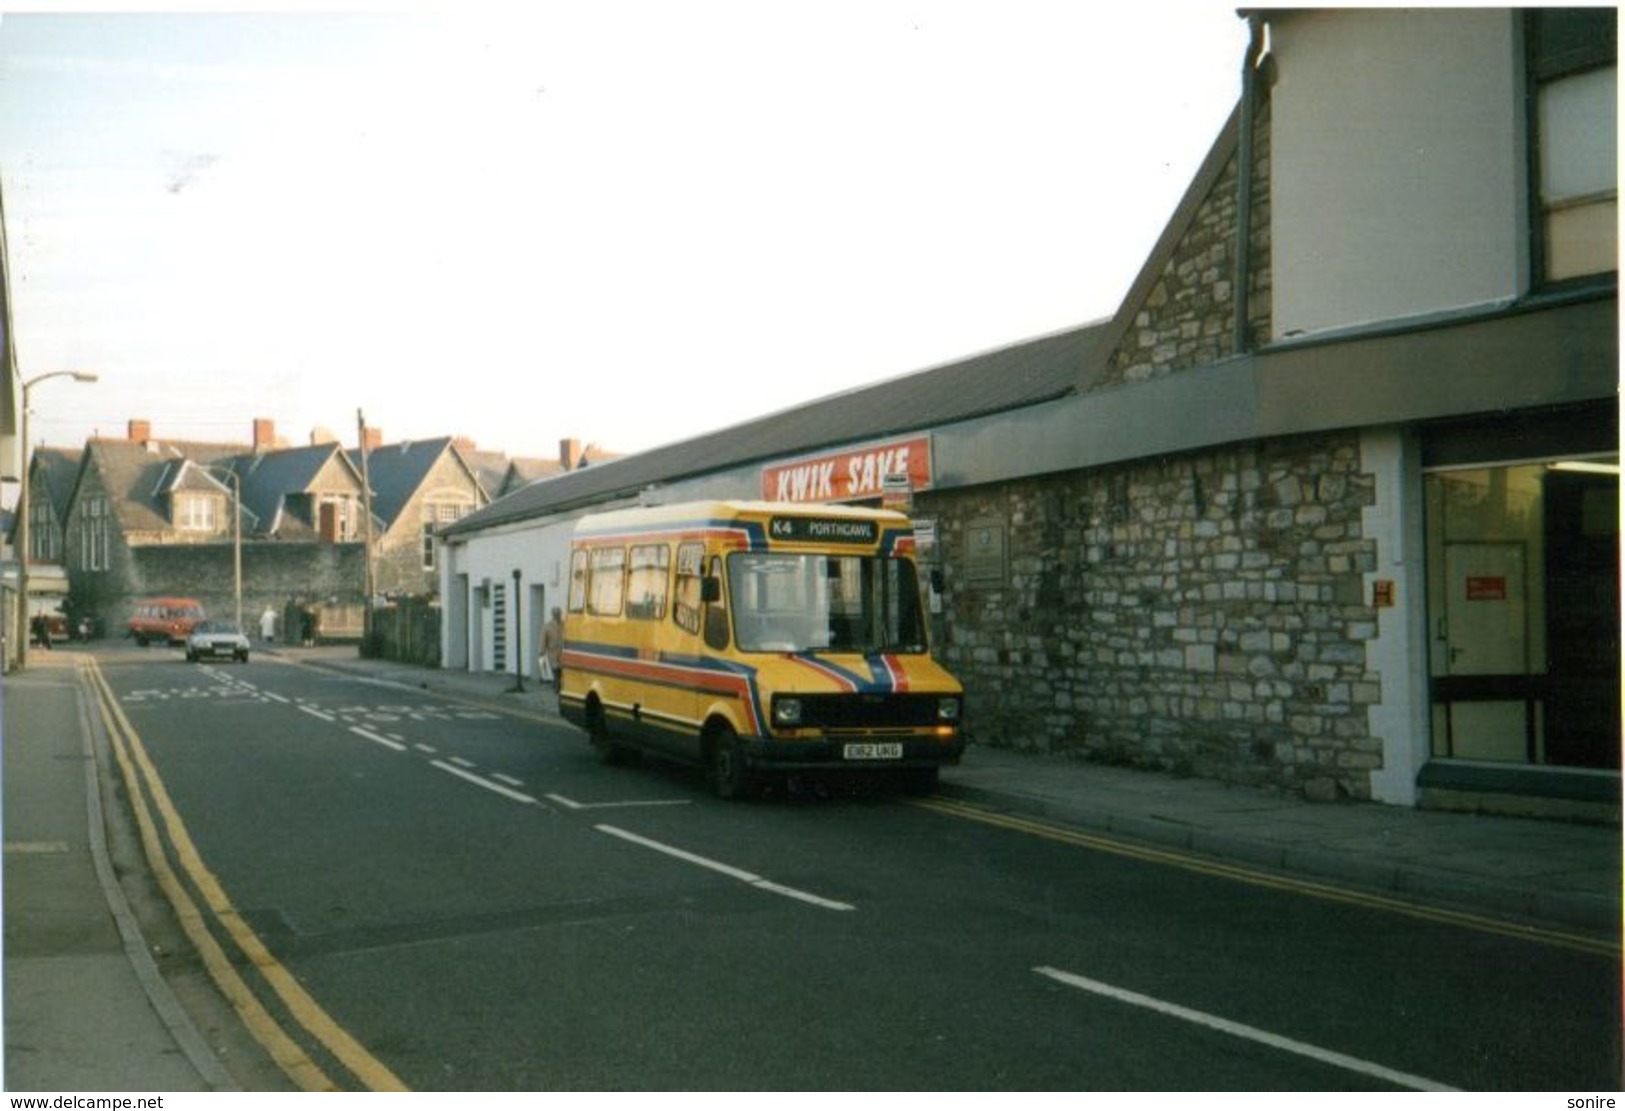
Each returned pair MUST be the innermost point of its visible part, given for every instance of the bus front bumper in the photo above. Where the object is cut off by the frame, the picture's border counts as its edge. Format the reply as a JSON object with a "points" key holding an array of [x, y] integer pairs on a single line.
{"points": [[866, 753]]}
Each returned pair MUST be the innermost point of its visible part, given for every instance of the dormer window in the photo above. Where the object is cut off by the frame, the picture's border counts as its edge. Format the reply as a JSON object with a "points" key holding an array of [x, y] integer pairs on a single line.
{"points": [[197, 512]]}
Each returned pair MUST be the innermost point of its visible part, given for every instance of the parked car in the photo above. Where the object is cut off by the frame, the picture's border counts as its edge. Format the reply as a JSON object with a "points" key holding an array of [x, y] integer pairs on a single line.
{"points": [[168, 620], [213, 639]]}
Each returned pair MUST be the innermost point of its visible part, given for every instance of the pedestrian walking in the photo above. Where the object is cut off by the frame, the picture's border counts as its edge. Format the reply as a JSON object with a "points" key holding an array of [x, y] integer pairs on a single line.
{"points": [[268, 625], [552, 658]]}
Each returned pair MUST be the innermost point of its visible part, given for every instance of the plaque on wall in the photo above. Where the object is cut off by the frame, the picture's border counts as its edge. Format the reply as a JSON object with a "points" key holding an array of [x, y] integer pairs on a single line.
{"points": [[984, 550]]}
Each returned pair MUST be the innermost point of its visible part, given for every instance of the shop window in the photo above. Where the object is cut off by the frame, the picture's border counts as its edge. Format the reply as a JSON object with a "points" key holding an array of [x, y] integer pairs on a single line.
{"points": [[1523, 611]]}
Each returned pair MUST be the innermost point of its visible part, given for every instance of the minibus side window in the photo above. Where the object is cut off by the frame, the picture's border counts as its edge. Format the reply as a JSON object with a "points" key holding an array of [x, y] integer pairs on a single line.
{"points": [[685, 610], [648, 582], [578, 580], [716, 614], [606, 581]]}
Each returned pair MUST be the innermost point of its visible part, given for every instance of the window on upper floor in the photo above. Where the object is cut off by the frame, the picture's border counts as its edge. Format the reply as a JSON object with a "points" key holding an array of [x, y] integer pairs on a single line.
{"points": [[94, 527], [436, 515], [1573, 68], [197, 512], [44, 542]]}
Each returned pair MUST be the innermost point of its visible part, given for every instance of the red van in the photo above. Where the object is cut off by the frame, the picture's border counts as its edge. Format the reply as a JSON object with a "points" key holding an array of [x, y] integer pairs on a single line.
{"points": [[168, 620]]}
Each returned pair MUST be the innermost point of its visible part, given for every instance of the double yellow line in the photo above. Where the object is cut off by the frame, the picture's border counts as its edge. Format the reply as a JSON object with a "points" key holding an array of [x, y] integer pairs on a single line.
{"points": [[1259, 878], [148, 795]]}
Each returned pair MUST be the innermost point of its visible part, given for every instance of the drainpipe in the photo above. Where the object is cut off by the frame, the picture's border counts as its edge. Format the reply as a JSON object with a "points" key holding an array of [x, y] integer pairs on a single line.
{"points": [[1244, 184]]}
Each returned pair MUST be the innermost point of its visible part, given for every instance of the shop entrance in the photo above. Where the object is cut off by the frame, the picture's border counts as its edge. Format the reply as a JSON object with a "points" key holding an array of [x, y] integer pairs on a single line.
{"points": [[1523, 607]]}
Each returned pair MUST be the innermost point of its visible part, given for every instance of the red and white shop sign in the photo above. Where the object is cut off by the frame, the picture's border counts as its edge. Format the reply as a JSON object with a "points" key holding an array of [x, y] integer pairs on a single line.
{"points": [[851, 475]]}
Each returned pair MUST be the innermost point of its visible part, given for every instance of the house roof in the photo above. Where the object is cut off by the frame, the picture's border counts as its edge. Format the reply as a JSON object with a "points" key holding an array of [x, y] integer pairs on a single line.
{"points": [[58, 471], [268, 477], [1024, 374], [397, 471], [137, 475]]}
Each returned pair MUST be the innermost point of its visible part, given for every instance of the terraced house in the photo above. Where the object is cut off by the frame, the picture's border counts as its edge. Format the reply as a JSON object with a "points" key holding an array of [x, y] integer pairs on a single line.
{"points": [[145, 516], [1329, 503]]}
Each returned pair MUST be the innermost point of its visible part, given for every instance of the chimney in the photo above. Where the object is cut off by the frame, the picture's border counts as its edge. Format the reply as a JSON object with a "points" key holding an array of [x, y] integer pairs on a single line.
{"points": [[569, 454], [140, 431], [375, 439], [464, 444], [264, 434]]}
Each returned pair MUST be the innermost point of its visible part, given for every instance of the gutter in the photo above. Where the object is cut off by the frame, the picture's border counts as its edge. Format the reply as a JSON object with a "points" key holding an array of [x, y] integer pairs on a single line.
{"points": [[1240, 339]]}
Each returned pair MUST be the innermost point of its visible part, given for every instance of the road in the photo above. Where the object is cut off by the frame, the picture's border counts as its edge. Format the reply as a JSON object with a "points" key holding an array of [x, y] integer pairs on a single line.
{"points": [[426, 893]]}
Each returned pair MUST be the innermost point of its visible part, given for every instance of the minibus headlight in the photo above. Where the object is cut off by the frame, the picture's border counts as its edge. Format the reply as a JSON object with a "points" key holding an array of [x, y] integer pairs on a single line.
{"points": [[948, 710], [787, 712]]}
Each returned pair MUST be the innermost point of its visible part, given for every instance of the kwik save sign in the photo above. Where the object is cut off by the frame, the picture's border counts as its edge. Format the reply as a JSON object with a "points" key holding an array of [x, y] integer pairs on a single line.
{"points": [[850, 475]]}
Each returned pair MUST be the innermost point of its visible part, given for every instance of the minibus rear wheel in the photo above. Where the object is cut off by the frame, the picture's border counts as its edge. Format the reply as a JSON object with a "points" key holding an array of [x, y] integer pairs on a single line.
{"points": [[598, 734]]}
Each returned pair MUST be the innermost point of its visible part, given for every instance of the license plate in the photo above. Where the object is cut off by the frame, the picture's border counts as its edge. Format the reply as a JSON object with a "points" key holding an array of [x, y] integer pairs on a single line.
{"points": [[891, 750]]}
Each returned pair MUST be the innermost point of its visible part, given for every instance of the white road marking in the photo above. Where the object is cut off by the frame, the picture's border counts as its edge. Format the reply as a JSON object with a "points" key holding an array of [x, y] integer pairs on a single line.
{"points": [[461, 763], [572, 804], [727, 870], [481, 781], [508, 779], [371, 736], [1251, 1033], [317, 714]]}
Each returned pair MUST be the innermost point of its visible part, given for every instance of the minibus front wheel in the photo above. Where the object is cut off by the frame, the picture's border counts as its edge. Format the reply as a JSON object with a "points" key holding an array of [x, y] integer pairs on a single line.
{"points": [[725, 763]]}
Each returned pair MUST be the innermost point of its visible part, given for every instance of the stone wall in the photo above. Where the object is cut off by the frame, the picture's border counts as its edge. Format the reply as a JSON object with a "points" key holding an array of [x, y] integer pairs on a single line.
{"points": [[1200, 615], [273, 574], [1187, 319]]}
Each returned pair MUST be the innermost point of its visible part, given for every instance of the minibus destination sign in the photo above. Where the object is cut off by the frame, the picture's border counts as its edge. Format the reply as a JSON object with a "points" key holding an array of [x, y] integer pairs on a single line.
{"points": [[822, 530]]}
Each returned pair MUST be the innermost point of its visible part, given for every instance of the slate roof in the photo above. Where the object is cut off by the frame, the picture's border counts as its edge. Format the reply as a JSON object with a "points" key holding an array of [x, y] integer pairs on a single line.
{"points": [[58, 470], [268, 477], [1038, 370], [396, 472], [138, 474]]}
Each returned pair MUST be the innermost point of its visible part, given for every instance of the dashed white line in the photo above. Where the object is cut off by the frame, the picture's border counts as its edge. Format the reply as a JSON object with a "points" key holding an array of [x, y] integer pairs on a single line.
{"points": [[371, 736], [727, 870], [481, 781], [317, 714], [508, 779], [1251, 1033], [572, 804]]}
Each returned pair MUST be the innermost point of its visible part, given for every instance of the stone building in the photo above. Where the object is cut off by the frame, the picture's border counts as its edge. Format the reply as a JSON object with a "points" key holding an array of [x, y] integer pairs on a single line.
{"points": [[1329, 504]]}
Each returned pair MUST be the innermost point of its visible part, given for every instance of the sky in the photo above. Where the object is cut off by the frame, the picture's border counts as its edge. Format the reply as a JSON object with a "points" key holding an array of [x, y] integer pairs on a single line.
{"points": [[627, 223]]}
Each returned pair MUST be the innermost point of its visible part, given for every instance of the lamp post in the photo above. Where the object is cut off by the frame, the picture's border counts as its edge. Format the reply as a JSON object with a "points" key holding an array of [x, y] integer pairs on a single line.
{"points": [[518, 640], [236, 541], [22, 511]]}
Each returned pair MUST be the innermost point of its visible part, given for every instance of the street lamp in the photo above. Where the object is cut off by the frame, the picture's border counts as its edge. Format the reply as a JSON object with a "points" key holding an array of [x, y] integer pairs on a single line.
{"points": [[22, 512], [236, 539]]}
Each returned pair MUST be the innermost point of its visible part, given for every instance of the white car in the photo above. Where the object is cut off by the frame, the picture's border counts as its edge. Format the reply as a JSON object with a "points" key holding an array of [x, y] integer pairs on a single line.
{"points": [[215, 639]]}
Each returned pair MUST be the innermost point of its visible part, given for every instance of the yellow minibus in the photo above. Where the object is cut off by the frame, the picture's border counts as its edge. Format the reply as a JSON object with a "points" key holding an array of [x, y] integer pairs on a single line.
{"points": [[757, 640]]}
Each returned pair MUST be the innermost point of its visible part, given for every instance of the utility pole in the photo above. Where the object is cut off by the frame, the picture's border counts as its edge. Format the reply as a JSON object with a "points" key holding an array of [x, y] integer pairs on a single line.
{"points": [[366, 519]]}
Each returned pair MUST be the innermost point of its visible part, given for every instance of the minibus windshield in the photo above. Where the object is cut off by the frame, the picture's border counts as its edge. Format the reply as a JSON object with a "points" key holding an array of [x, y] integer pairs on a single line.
{"points": [[824, 603]]}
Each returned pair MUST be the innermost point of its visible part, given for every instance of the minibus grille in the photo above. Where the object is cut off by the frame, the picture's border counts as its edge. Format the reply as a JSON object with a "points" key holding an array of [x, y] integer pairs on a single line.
{"points": [[869, 711]]}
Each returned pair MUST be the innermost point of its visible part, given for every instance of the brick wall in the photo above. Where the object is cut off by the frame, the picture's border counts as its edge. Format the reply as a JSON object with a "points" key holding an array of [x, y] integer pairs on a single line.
{"points": [[1200, 615]]}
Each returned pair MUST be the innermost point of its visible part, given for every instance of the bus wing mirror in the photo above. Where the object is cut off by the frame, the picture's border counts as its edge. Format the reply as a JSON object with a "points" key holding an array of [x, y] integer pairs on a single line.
{"points": [[710, 589]]}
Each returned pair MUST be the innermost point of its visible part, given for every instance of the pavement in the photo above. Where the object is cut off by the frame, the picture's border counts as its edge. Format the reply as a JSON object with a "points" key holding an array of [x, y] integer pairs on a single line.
{"points": [[87, 1010]]}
